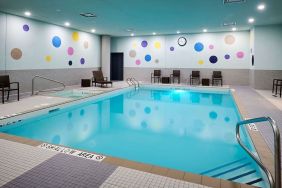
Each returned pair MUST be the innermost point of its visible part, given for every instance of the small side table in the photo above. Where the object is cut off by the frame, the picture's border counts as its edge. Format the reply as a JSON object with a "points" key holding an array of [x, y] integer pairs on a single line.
{"points": [[85, 82], [165, 80], [205, 82]]}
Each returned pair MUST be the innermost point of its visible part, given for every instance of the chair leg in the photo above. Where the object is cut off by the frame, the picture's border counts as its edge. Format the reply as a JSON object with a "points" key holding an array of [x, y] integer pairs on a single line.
{"points": [[3, 95], [273, 83], [8, 96], [18, 94]]}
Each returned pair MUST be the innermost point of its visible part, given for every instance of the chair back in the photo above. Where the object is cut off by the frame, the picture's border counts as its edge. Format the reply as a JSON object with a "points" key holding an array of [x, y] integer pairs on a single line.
{"points": [[217, 74], [157, 72], [176, 73], [98, 76], [4, 81], [195, 73]]}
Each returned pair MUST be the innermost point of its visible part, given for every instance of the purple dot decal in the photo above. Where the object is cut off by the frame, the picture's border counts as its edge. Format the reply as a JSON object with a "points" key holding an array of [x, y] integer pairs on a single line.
{"points": [[144, 44], [213, 59], [137, 62], [227, 56], [82, 61], [211, 46], [171, 48], [26, 27], [70, 50], [240, 54]]}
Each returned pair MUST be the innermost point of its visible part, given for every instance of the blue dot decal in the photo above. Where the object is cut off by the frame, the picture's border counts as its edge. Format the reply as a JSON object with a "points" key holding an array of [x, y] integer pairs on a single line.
{"points": [[82, 112], [69, 115], [213, 59], [148, 58], [147, 110], [56, 41], [70, 63], [198, 46], [226, 119], [213, 115]]}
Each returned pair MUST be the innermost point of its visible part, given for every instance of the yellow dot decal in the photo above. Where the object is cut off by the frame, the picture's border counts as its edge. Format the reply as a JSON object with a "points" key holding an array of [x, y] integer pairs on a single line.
{"points": [[201, 62], [48, 58], [75, 36], [157, 45], [134, 45]]}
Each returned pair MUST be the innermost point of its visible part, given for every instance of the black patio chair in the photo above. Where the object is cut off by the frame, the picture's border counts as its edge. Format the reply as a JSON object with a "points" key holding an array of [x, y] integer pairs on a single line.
{"points": [[195, 76], [175, 74], [216, 77], [5, 86]]}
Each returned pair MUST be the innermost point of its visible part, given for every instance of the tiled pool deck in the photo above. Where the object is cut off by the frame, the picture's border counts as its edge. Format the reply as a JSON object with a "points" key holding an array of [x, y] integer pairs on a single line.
{"points": [[23, 165]]}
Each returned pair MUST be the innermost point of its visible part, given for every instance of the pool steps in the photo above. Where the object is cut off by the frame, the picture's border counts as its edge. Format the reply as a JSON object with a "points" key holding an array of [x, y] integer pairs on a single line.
{"points": [[240, 170]]}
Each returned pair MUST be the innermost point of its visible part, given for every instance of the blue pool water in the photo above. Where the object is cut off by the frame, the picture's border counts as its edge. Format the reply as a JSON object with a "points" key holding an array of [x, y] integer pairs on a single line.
{"points": [[192, 131]]}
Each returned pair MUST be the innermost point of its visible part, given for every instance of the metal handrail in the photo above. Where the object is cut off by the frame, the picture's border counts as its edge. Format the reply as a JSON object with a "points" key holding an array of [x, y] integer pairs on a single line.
{"points": [[277, 154], [128, 80], [133, 81], [42, 77], [136, 82]]}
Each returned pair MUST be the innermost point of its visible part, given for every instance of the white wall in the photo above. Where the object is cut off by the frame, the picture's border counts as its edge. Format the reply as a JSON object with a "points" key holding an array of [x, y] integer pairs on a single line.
{"points": [[36, 44], [268, 47], [2, 40], [187, 56]]}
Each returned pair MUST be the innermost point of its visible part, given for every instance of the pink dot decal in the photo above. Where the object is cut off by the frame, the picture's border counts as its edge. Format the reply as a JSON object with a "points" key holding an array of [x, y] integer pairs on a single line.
{"points": [[240, 54], [137, 62], [70, 51], [211, 46]]}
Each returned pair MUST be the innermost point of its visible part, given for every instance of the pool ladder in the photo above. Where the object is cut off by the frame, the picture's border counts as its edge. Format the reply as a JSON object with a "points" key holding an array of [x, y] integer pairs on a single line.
{"points": [[46, 90], [133, 82], [274, 183]]}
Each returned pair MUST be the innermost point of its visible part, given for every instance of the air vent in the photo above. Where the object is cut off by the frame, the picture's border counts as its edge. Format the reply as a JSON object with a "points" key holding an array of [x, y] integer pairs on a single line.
{"points": [[88, 15], [129, 29], [229, 24], [233, 1]]}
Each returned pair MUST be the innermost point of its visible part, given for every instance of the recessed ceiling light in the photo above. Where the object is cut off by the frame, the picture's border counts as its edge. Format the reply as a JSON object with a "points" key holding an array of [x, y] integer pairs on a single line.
{"points": [[234, 29], [177, 32], [67, 24], [93, 30], [261, 7], [205, 30], [27, 13], [251, 20], [132, 34], [154, 33]]}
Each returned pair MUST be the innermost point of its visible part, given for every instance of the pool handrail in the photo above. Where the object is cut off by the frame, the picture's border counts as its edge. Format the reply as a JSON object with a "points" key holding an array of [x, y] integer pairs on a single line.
{"points": [[47, 90], [277, 155], [133, 81]]}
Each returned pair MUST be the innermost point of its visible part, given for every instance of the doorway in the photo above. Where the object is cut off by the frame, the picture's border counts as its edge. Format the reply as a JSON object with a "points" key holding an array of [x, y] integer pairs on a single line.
{"points": [[117, 66]]}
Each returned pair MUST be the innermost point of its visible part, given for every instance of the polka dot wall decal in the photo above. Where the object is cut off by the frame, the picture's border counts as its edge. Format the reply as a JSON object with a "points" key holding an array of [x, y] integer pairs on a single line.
{"points": [[147, 110], [229, 39], [213, 59], [132, 113], [137, 62], [201, 62], [132, 53], [171, 48], [16, 53], [157, 45], [82, 112], [148, 58], [70, 63], [70, 51], [82, 61], [211, 46], [75, 36], [144, 44], [134, 45], [144, 124], [48, 58], [227, 56], [226, 119], [157, 61], [26, 27], [56, 41], [198, 46], [69, 115], [240, 54], [213, 115], [85, 44]]}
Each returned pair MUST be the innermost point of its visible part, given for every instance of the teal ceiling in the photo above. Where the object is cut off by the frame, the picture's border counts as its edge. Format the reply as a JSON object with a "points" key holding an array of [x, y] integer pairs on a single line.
{"points": [[147, 16]]}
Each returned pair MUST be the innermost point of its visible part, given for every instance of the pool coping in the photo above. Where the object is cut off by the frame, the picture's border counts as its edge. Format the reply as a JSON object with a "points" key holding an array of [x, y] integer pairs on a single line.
{"points": [[176, 174]]}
